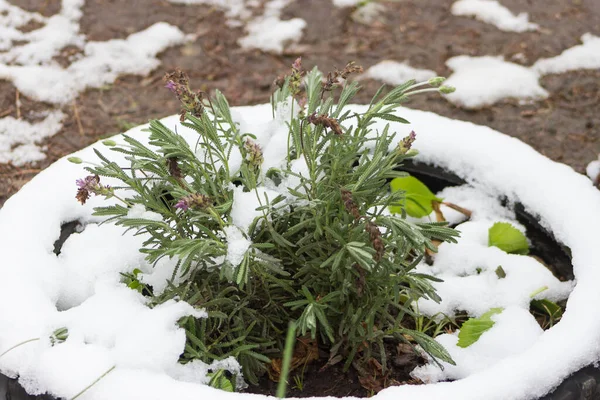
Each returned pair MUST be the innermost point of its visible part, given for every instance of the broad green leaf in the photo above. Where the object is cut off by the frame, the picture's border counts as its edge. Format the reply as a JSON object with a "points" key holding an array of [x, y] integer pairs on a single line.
{"points": [[473, 328], [418, 197], [508, 238]]}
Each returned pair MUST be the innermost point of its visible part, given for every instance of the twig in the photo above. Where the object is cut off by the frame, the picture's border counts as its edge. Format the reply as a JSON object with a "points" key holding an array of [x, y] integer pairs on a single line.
{"points": [[18, 104], [458, 208], [76, 112], [6, 112], [22, 172]]}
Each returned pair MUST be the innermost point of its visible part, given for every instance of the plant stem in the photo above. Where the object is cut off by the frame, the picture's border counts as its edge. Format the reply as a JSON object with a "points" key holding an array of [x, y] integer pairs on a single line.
{"points": [[93, 383], [287, 359], [19, 344]]}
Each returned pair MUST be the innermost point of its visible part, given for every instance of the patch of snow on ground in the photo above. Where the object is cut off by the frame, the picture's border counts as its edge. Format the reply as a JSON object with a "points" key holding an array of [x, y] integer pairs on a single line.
{"points": [[346, 3], [593, 170], [19, 139], [30, 67], [482, 81], [269, 33], [492, 12], [236, 11], [101, 64], [583, 56], [396, 73]]}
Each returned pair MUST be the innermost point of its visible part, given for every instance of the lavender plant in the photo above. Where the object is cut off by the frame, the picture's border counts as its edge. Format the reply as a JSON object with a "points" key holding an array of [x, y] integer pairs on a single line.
{"points": [[324, 253]]}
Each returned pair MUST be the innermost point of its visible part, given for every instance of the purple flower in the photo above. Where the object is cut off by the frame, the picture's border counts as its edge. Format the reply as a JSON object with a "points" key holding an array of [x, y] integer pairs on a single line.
{"points": [[183, 204], [171, 86], [405, 144], [196, 200], [297, 65], [91, 185]]}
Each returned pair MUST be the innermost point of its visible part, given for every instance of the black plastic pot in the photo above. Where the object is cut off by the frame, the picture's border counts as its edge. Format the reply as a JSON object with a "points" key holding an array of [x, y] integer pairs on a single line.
{"points": [[582, 385]]}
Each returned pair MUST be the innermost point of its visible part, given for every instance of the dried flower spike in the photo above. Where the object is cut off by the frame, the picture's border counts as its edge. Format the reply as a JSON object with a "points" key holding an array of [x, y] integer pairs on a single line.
{"points": [[325, 121], [349, 204], [178, 83], [254, 153], [91, 185], [196, 200], [376, 241], [333, 78], [405, 144], [174, 169]]}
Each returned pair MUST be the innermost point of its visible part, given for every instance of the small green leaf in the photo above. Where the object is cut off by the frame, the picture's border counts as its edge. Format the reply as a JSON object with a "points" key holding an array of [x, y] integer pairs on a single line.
{"points": [[473, 328], [500, 273], [508, 238], [219, 380], [418, 197]]}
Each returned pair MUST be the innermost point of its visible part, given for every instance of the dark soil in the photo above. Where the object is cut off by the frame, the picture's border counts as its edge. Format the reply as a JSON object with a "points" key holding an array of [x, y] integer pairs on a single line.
{"points": [[565, 127]]}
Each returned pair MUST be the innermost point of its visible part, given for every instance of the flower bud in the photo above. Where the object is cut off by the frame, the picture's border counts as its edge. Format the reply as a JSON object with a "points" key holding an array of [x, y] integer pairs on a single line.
{"points": [[109, 143], [75, 160], [437, 81], [447, 89]]}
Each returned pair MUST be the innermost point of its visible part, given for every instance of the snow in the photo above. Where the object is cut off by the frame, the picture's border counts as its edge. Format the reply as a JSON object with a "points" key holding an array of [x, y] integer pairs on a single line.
{"points": [[237, 245], [144, 343], [583, 56], [19, 139], [482, 81], [492, 12], [101, 64], [139, 211], [269, 33], [396, 73], [346, 3], [515, 330], [593, 169], [27, 56]]}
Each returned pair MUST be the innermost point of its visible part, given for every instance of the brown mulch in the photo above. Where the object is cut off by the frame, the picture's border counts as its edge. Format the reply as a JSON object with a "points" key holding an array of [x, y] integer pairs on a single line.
{"points": [[565, 127]]}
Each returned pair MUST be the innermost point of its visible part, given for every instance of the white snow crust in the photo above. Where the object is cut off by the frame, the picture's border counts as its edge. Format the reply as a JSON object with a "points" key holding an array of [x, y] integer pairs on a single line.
{"points": [[396, 73], [593, 169], [31, 68], [583, 56], [112, 326], [482, 81], [492, 12], [19, 138]]}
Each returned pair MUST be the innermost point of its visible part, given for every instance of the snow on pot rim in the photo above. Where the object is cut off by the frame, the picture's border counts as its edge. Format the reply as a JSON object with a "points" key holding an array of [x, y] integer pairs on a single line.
{"points": [[29, 291]]}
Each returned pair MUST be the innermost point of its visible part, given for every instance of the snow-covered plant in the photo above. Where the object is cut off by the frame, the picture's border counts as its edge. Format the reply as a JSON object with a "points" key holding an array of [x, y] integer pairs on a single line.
{"points": [[322, 251]]}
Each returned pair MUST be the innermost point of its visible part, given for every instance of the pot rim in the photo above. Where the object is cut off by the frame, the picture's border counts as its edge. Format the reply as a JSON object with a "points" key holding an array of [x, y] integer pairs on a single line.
{"points": [[568, 202]]}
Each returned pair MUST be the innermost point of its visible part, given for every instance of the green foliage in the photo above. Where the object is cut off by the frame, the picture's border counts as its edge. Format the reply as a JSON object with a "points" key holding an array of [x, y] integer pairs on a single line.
{"points": [[508, 238], [417, 200], [473, 328], [549, 310], [220, 381], [323, 254]]}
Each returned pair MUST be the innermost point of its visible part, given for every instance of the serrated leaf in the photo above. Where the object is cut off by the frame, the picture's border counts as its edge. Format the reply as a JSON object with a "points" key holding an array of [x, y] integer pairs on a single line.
{"points": [[391, 117], [473, 328], [418, 197], [508, 238]]}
